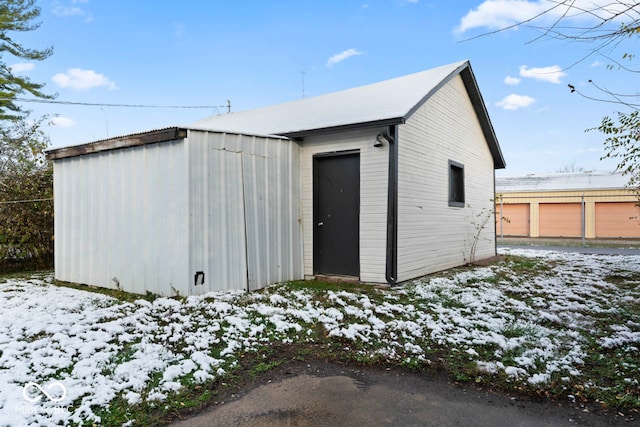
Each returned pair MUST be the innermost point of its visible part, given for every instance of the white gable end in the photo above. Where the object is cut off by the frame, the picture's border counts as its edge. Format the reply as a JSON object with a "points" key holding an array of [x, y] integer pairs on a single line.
{"points": [[432, 235]]}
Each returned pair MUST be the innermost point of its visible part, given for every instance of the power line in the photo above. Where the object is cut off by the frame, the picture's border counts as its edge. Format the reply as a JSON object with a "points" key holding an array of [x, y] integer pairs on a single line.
{"points": [[97, 104], [10, 202]]}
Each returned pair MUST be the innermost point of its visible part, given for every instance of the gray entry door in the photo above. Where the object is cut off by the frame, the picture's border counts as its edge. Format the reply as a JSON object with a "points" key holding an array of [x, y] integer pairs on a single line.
{"points": [[336, 214]]}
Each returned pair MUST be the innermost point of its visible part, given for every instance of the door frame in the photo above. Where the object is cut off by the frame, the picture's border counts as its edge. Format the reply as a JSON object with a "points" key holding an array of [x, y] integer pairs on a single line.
{"points": [[314, 172]]}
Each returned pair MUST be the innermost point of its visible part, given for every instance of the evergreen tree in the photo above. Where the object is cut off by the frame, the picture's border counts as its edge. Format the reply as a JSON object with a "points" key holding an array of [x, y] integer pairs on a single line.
{"points": [[17, 16]]}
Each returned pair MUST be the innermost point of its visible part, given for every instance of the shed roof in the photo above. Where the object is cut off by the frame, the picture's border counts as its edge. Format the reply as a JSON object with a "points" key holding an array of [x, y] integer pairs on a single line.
{"points": [[124, 141], [383, 103], [590, 180], [133, 140]]}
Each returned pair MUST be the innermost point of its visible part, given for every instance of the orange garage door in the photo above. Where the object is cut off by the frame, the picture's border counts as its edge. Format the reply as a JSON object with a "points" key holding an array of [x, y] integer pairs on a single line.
{"points": [[617, 219], [516, 219], [560, 219]]}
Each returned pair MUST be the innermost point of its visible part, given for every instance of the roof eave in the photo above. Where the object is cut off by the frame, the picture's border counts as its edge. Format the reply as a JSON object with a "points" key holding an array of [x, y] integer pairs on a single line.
{"points": [[483, 116], [469, 80], [342, 128], [151, 137]]}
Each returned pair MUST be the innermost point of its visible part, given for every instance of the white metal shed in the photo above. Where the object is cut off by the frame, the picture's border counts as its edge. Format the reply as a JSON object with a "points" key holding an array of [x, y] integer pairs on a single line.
{"points": [[178, 211]]}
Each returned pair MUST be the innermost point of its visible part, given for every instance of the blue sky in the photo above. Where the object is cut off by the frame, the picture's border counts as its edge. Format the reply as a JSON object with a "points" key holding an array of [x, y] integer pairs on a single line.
{"points": [[258, 53]]}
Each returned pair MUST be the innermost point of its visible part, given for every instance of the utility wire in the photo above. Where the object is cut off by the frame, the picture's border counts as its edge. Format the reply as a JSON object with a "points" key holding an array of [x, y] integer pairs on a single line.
{"points": [[25, 201], [97, 104]]}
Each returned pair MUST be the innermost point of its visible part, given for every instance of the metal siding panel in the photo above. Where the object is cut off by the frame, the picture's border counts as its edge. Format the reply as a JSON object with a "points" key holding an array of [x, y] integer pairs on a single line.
{"points": [[122, 214], [249, 205], [217, 243], [61, 247], [254, 194], [271, 221], [152, 216]]}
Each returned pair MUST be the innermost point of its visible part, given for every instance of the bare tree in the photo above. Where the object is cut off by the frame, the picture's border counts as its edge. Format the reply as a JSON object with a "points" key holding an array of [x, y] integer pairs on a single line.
{"points": [[612, 33], [570, 168]]}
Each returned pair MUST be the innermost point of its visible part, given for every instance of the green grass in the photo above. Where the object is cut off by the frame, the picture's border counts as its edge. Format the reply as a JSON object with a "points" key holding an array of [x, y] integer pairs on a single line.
{"points": [[114, 293], [524, 265], [265, 366], [320, 286]]}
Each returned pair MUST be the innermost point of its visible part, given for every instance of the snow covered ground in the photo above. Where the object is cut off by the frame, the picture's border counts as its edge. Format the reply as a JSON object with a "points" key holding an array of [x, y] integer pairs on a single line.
{"points": [[536, 320]]}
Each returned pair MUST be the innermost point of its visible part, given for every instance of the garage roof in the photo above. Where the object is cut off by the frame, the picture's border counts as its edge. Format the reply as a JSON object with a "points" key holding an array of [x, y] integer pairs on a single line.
{"points": [[590, 180], [384, 103]]}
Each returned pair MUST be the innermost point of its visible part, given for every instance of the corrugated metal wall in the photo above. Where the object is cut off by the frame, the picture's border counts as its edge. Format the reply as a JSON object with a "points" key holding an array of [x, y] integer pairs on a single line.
{"points": [[245, 220], [148, 218], [121, 218]]}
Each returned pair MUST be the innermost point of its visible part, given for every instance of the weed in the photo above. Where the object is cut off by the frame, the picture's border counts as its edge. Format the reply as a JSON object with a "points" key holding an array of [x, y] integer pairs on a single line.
{"points": [[114, 293], [479, 222], [520, 265], [624, 280], [263, 367], [322, 286], [517, 330]]}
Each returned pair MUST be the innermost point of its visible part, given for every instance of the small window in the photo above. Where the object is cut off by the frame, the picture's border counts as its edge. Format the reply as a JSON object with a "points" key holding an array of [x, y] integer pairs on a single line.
{"points": [[456, 184]]}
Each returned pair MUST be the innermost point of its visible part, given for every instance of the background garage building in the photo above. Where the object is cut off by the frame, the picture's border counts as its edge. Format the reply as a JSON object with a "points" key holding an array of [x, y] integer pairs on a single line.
{"points": [[594, 204]]}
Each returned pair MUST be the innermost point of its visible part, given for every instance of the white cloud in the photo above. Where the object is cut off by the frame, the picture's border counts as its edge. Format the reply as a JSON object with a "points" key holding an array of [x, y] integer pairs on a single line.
{"points": [[70, 9], [22, 67], [79, 79], [512, 81], [551, 74], [339, 57], [515, 102], [595, 64], [61, 121], [498, 14], [64, 11]]}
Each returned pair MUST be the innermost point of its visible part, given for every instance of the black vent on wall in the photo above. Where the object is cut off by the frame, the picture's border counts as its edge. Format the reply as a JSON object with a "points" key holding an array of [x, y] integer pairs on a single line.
{"points": [[198, 278]]}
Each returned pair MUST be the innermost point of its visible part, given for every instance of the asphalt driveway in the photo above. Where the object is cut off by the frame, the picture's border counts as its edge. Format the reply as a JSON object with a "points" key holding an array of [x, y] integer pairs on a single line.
{"points": [[329, 394]]}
